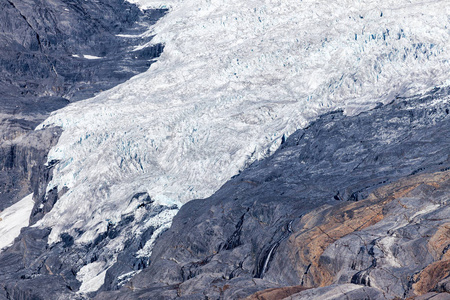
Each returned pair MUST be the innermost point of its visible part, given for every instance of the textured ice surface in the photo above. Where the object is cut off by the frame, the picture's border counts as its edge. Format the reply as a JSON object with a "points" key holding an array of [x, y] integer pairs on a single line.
{"points": [[13, 219], [235, 76]]}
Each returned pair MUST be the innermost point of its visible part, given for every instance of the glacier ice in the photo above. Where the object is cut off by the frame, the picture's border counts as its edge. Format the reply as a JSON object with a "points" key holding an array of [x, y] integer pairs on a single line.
{"points": [[234, 77]]}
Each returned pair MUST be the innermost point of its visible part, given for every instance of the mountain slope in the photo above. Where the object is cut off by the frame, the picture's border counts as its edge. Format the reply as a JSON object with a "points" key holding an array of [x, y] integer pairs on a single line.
{"points": [[234, 81], [53, 53], [199, 115], [348, 201]]}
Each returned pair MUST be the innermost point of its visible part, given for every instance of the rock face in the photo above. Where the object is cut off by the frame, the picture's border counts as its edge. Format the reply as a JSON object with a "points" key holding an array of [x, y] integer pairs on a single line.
{"points": [[387, 241], [70, 49], [348, 206], [30, 269], [53, 53], [23, 154]]}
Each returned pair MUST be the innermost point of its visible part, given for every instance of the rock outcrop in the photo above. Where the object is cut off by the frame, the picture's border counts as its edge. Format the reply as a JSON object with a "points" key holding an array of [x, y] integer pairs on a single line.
{"points": [[53, 53], [350, 206], [70, 49], [23, 155]]}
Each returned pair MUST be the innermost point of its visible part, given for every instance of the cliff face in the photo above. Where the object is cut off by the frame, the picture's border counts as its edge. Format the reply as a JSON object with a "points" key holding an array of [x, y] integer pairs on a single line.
{"points": [[70, 49], [348, 206], [23, 155], [53, 53]]}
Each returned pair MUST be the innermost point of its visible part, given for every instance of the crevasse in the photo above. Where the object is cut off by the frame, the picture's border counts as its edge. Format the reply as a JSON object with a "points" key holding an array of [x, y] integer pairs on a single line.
{"points": [[235, 76]]}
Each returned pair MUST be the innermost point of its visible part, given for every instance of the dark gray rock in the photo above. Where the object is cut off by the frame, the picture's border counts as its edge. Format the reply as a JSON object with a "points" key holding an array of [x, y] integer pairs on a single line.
{"points": [[433, 296], [26, 254], [341, 292], [41, 37], [220, 246], [42, 68], [22, 161], [31, 268]]}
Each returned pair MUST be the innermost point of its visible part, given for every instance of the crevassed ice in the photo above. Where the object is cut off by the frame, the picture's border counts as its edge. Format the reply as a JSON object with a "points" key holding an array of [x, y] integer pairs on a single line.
{"points": [[234, 77]]}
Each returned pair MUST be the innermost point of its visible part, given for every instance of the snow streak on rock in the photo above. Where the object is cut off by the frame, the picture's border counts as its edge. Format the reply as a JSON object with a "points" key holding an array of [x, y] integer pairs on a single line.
{"points": [[235, 76], [13, 219]]}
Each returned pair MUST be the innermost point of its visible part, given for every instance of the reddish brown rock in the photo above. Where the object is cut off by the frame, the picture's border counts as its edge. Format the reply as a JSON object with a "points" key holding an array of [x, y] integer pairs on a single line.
{"points": [[276, 293]]}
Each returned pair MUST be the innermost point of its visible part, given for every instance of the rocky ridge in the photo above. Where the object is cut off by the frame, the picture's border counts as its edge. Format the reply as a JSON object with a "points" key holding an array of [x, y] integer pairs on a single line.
{"points": [[350, 206], [53, 53]]}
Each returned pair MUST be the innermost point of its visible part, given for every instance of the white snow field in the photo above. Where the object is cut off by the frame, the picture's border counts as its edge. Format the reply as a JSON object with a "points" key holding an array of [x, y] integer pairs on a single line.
{"points": [[13, 219], [234, 77]]}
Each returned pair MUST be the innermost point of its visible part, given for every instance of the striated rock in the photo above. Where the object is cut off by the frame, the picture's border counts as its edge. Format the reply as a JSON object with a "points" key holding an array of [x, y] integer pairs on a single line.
{"points": [[432, 296], [53, 53], [276, 293], [384, 254], [436, 276], [429, 278], [348, 203], [22, 162], [70, 49], [340, 292]]}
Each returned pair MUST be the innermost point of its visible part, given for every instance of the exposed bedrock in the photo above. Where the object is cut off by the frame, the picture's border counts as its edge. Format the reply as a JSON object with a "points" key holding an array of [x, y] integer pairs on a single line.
{"points": [[53, 53], [23, 154], [348, 206], [71, 48], [31, 269]]}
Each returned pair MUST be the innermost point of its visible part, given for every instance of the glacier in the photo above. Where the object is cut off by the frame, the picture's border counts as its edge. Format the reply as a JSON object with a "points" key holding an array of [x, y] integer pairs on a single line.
{"points": [[234, 80]]}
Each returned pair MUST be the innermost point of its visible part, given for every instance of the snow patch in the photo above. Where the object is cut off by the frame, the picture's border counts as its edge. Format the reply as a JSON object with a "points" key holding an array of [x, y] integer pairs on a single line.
{"points": [[122, 279], [92, 277], [162, 222], [87, 56], [13, 219], [148, 4], [389, 258]]}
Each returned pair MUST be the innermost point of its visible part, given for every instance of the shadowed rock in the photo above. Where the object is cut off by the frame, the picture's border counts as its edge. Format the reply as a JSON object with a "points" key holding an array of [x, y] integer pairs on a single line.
{"points": [[53, 53], [350, 201], [70, 48]]}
